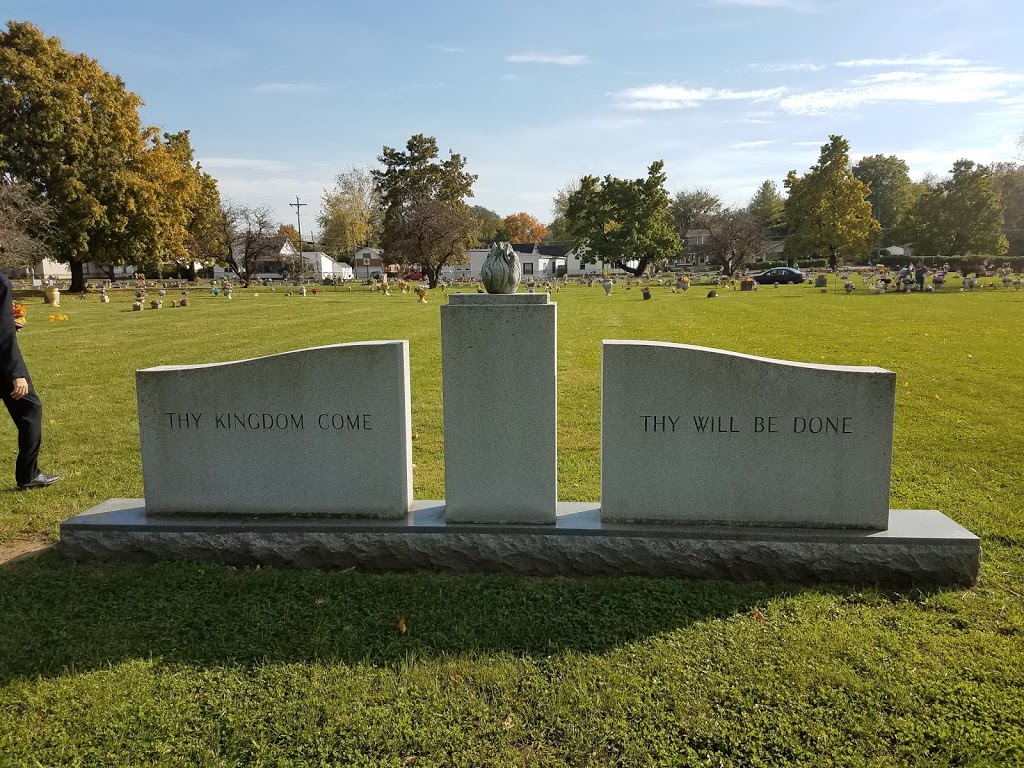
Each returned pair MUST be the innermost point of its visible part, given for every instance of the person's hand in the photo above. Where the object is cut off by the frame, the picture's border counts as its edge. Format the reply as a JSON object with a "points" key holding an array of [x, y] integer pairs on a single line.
{"points": [[20, 389]]}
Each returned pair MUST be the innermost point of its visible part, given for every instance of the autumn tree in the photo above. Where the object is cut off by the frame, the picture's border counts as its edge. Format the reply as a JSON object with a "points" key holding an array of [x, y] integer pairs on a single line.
{"points": [[625, 222], [523, 228], [431, 234], [891, 192], [768, 208], [961, 215], [421, 193], [734, 238], [827, 211], [25, 225], [205, 227], [70, 130], [350, 214], [248, 237]]}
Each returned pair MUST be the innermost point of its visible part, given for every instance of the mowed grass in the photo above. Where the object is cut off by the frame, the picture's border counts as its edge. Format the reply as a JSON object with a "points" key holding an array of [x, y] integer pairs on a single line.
{"points": [[185, 664]]}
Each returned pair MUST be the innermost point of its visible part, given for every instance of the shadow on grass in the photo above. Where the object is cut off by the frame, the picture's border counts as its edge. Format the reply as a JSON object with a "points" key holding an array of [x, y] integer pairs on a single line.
{"points": [[58, 614]]}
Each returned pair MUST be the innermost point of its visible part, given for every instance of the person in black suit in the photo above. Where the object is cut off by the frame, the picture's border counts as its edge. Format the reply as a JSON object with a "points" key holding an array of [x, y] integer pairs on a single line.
{"points": [[21, 400]]}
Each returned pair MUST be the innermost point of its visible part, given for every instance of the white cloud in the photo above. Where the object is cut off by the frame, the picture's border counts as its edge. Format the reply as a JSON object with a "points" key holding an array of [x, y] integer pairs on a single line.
{"points": [[955, 86], [449, 49], [770, 68], [933, 59], [297, 88], [662, 96], [754, 144], [536, 57]]}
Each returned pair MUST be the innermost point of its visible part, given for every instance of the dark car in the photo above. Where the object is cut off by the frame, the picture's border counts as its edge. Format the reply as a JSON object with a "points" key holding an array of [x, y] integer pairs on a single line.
{"points": [[780, 275]]}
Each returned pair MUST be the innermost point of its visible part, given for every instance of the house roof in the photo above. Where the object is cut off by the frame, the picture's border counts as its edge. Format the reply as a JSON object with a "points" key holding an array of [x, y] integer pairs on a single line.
{"points": [[556, 250], [523, 247]]}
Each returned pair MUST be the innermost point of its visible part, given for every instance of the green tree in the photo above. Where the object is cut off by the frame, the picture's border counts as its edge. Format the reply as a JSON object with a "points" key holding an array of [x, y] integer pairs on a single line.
{"points": [[891, 192], [421, 193], [350, 214], [205, 233], [961, 215], [558, 229], [827, 211], [623, 221], [70, 130], [1009, 179], [768, 208], [486, 224], [694, 208]]}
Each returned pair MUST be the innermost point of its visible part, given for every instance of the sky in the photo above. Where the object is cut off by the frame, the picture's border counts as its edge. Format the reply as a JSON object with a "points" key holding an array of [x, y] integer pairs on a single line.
{"points": [[279, 97]]}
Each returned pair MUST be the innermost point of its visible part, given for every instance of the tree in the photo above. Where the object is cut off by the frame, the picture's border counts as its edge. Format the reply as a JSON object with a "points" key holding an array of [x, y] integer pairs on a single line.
{"points": [[25, 223], [827, 210], [693, 208], [70, 130], [625, 222], [408, 185], [431, 234], [1009, 179], [735, 237], [205, 231], [247, 235], [523, 228], [350, 214], [891, 192], [768, 208], [292, 234], [486, 224], [558, 230], [961, 215]]}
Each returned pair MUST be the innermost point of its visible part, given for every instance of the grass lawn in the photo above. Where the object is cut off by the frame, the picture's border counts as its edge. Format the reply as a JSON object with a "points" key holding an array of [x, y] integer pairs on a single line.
{"points": [[180, 664]]}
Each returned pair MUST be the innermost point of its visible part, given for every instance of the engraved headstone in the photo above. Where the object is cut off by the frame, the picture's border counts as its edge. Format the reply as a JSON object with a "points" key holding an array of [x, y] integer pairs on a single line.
{"points": [[320, 431], [697, 435]]}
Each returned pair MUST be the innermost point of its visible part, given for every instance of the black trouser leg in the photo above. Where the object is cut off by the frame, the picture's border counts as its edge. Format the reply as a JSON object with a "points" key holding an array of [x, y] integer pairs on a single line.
{"points": [[27, 414]]}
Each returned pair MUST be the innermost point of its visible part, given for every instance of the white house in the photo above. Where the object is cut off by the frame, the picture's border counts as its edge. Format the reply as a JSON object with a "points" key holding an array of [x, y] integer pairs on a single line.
{"points": [[320, 266], [539, 262]]}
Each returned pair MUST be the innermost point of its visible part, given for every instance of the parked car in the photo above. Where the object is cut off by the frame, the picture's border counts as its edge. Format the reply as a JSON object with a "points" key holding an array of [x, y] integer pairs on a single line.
{"points": [[780, 275], [413, 276]]}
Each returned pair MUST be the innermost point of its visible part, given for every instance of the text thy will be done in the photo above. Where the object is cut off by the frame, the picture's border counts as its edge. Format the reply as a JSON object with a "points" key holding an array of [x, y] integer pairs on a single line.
{"points": [[771, 425], [279, 421]]}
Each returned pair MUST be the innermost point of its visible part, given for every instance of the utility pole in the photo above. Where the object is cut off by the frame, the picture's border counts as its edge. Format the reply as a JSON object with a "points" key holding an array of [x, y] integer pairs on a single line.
{"points": [[298, 214]]}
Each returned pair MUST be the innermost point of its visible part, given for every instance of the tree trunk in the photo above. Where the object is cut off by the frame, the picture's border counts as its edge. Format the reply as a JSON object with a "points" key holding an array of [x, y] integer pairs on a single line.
{"points": [[191, 271], [431, 276], [832, 260], [77, 276], [638, 270]]}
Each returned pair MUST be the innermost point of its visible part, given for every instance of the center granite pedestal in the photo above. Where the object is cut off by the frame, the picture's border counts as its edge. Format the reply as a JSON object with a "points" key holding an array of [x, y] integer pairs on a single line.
{"points": [[920, 547]]}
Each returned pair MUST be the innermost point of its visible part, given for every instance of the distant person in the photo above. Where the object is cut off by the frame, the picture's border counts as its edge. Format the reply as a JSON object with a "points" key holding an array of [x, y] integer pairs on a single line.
{"points": [[20, 398], [919, 274]]}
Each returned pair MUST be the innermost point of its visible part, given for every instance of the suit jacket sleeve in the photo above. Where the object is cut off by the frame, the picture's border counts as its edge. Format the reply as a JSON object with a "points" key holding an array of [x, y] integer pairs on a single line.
{"points": [[12, 365]]}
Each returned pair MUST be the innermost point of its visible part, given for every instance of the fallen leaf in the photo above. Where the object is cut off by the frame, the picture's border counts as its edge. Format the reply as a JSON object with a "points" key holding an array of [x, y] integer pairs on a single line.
{"points": [[758, 616], [507, 722], [410, 760], [401, 624]]}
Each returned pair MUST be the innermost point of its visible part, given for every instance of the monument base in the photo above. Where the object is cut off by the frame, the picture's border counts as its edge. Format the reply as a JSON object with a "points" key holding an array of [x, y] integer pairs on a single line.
{"points": [[920, 547]]}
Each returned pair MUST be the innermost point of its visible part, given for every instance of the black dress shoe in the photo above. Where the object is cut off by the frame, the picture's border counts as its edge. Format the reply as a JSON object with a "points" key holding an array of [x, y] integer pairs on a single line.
{"points": [[39, 481]]}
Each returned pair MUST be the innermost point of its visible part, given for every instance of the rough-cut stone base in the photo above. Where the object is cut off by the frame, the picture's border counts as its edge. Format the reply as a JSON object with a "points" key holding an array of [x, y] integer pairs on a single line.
{"points": [[921, 547]]}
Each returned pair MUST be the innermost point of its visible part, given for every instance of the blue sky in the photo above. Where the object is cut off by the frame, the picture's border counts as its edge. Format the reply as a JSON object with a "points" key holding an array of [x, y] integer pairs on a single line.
{"points": [[280, 96]]}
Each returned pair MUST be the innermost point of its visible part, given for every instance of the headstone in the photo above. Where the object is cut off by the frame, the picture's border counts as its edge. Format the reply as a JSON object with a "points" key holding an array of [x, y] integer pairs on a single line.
{"points": [[697, 435], [498, 365], [321, 431]]}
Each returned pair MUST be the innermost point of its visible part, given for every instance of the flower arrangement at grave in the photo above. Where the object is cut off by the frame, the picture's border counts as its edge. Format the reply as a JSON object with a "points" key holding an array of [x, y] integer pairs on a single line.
{"points": [[58, 318], [646, 292], [748, 284], [20, 311], [849, 286]]}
